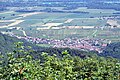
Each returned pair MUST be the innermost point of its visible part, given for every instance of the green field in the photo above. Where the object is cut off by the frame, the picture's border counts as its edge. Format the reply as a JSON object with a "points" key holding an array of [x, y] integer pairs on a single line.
{"points": [[86, 22], [4, 23], [31, 23], [9, 15]]}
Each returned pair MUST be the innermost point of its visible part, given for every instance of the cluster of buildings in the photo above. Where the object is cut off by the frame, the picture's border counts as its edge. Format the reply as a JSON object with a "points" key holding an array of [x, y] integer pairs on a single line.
{"points": [[84, 44], [73, 43]]}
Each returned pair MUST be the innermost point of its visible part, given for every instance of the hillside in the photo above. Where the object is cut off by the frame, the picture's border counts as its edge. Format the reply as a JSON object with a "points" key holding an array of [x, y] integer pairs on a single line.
{"points": [[112, 50], [7, 44], [50, 67], [54, 63]]}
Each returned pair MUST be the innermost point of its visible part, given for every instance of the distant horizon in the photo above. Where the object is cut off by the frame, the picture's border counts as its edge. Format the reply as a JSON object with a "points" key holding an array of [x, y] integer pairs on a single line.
{"points": [[57, 0]]}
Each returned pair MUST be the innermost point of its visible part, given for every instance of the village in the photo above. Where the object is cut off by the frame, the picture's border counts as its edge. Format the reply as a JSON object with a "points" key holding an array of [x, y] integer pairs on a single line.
{"points": [[97, 45]]}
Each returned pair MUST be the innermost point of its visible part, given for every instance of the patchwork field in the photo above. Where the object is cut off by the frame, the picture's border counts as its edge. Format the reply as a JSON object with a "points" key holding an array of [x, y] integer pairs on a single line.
{"points": [[61, 25]]}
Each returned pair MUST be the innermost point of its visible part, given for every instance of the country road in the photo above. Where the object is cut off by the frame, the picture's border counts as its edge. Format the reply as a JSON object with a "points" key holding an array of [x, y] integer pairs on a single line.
{"points": [[94, 33], [24, 33]]}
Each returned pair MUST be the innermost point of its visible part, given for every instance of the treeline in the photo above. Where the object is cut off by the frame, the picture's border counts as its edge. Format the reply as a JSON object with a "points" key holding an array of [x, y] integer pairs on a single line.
{"points": [[51, 11], [112, 50], [7, 43], [100, 5], [70, 5]]}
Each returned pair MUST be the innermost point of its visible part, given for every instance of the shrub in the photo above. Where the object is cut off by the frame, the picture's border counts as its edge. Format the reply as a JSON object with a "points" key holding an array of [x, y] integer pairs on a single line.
{"points": [[20, 65]]}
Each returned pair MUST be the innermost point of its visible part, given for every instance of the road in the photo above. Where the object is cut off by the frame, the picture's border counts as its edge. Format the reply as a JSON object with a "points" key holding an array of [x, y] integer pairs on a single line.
{"points": [[94, 33]]}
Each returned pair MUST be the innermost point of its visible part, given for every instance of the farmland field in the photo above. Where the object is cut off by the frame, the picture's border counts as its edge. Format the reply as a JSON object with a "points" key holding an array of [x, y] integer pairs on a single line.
{"points": [[63, 25]]}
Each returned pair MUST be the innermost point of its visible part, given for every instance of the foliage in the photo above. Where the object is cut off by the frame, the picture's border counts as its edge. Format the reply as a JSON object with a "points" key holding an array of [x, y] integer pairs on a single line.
{"points": [[7, 43], [112, 50], [20, 65]]}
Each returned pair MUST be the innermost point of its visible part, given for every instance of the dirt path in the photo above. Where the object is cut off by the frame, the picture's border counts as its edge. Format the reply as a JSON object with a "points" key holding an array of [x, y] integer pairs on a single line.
{"points": [[49, 26], [12, 24], [24, 33], [94, 33], [69, 20], [29, 14], [7, 20]]}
